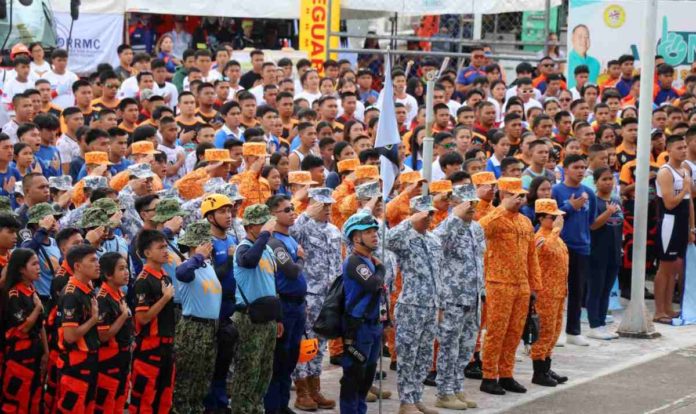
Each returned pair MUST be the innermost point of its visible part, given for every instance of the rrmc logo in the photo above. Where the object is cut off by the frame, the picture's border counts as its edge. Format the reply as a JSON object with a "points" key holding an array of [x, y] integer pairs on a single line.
{"points": [[63, 32]]}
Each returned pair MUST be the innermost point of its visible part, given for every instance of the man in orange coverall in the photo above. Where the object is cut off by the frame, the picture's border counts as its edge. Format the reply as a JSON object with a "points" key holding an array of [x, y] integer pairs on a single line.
{"points": [[485, 190], [553, 262], [252, 186], [511, 270]]}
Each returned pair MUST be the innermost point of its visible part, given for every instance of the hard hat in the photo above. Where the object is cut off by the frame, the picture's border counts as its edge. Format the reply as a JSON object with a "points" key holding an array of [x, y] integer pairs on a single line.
{"points": [[308, 349], [214, 202], [359, 222]]}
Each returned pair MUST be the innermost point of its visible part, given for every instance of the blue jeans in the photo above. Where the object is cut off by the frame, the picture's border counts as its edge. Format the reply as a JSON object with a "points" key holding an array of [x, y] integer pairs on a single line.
{"points": [[600, 280]]}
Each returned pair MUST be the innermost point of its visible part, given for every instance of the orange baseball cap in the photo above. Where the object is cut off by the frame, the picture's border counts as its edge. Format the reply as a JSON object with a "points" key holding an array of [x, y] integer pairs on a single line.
{"points": [[348, 165], [411, 177], [511, 185], [300, 177], [483, 178], [367, 171], [217, 155], [547, 206], [143, 148], [256, 149], [97, 157], [441, 186]]}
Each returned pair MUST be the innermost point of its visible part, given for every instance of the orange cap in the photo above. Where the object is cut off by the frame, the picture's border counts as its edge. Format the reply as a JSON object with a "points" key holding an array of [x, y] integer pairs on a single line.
{"points": [[511, 185], [441, 186], [217, 155], [483, 178], [97, 157], [300, 177], [410, 177], [547, 206], [256, 149], [143, 148], [348, 165], [367, 171]]}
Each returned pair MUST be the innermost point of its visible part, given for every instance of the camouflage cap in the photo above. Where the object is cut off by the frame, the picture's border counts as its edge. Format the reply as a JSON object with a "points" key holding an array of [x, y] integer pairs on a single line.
{"points": [[465, 192], [62, 183], [368, 190], [256, 214], [107, 204], [321, 194], [5, 205], [140, 171], [39, 211], [231, 191], [94, 217], [422, 203], [196, 234], [167, 209], [93, 183]]}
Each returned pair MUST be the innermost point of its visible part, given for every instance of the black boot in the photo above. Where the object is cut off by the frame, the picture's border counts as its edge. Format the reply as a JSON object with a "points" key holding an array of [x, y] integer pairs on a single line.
{"points": [[509, 384], [559, 379], [336, 360], [541, 376], [392, 366], [430, 379], [474, 369], [491, 386], [287, 410]]}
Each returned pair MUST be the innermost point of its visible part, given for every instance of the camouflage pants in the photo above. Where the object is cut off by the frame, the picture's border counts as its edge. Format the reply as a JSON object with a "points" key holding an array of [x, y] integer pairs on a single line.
{"points": [[415, 332], [194, 348], [253, 364], [457, 336], [313, 367]]}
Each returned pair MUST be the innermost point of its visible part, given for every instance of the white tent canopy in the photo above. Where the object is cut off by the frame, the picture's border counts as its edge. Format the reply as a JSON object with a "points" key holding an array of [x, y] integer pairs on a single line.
{"points": [[290, 9]]}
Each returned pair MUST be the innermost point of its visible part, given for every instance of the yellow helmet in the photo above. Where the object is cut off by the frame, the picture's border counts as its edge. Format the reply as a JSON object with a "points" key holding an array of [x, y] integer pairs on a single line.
{"points": [[214, 202]]}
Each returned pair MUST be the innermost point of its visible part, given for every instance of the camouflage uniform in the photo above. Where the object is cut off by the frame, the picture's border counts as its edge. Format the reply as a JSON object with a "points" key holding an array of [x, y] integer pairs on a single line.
{"points": [[131, 222], [463, 244], [72, 217], [322, 245], [420, 259]]}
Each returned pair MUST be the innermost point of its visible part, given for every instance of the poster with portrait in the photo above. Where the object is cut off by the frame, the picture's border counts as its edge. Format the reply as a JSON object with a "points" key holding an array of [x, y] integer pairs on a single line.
{"points": [[600, 31]]}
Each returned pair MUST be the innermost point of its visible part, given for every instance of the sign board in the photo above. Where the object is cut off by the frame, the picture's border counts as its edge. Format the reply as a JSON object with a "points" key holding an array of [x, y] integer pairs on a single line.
{"points": [[94, 40], [314, 15]]}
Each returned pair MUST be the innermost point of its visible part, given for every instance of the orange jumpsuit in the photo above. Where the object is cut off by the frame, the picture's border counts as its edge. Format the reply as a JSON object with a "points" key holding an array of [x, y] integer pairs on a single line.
{"points": [[343, 190], [482, 208], [511, 270], [190, 186], [553, 261], [252, 187], [120, 180]]}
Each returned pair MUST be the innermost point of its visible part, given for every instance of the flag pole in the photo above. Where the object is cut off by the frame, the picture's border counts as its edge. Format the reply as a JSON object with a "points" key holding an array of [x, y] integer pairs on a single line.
{"points": [[428, 140]]}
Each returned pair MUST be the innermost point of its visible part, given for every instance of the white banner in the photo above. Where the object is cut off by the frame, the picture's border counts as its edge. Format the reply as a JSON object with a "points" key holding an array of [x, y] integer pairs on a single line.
{"points": [[601, 30], [268, 9], [95, 38]]}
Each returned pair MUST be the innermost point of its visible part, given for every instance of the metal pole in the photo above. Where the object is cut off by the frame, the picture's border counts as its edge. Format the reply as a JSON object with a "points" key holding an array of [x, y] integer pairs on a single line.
{"points": [[636, 322], [435, 40], [428, 140], [547, 26], [328, 30], [460, 48], [478, 26], [520, 56]]}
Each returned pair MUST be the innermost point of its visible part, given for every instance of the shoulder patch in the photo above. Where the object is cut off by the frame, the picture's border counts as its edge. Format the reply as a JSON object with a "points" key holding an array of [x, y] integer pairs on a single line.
{"points": [[24, 235], [540, 242], [363, 271], [69, 312], [282, 255]]}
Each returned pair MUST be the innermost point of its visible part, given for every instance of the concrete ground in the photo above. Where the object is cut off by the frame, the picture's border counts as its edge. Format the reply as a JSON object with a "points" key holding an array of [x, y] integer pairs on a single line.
{"points": [[619, 376]]}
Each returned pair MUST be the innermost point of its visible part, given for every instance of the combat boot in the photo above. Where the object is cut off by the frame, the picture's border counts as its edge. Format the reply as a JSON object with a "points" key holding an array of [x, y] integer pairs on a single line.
{"points": [[450, 402], [385, 394], [541, 376], [303, 401], [465, 398], [561, 379], [509, 384], [370, 397], [324, 403], [426, 410], [409, 409], [473, 369], [491, 386]]}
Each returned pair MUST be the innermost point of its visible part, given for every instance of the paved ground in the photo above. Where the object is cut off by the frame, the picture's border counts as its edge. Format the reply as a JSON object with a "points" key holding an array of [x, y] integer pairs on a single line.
{"points": [[620, 376]]}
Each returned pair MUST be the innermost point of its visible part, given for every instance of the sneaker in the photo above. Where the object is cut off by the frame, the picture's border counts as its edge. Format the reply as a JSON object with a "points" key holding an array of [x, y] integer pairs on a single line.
{"points": [[609, 319], [599, 333], [577, 340], [606, 330], [560, 343]]}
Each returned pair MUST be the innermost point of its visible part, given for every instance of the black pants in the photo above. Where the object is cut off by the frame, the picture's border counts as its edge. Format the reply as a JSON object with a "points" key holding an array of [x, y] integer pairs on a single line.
{"points": [[227, 340], [577, 272]]}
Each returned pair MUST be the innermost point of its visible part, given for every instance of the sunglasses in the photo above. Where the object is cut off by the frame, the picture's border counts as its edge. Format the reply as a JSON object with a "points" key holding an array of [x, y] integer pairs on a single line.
{"points": [[450, 145], [565, 99], [112, 85], [548, 65], [286, 210]]}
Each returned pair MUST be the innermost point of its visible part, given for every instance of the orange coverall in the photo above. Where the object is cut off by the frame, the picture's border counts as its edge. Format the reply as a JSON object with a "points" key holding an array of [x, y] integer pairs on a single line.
{"points": [[511, 270], [252, 187], [553, 261]]}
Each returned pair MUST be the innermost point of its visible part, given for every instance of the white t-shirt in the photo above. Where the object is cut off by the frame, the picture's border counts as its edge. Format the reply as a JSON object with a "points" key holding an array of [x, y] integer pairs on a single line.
{"points": [[310, 97], [233, 91], [257, 91], [129, 88], [172, 155], [437, 173], [10, 129], [453, 107], [39, 70], [68, 149], [62, 85], [14, 87], [213, 75], [359, 113], [411, 107], [168, 92], [513, 92]]}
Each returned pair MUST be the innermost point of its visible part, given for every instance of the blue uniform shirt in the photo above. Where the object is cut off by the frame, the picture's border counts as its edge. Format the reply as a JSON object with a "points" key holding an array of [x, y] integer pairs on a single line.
{"points": [[353, 289], [289, 280], [220, 258], [201, 292], [254, 270]]}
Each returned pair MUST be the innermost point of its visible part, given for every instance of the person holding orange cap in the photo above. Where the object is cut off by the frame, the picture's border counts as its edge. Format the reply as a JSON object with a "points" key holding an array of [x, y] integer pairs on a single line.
{"points": [[140, 152], [485, 190], [511, 272], [346, 170], [553, 263], [348, 204], [97, 164], [218, 162], [252, 186], [441, 191]]}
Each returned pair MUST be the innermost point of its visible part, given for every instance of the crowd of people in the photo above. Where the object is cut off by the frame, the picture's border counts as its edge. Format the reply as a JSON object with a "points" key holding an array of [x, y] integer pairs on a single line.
{"points": [[171, 231]]}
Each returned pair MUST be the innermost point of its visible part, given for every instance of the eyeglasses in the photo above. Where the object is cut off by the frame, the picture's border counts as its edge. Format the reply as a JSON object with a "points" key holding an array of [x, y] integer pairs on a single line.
{"points": [[112, 85], [286, 210], [450, 145], [565, 99]]}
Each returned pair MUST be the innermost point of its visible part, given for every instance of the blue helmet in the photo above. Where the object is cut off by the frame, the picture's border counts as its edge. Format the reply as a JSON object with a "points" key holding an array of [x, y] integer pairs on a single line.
{"points": [[358, 222]]}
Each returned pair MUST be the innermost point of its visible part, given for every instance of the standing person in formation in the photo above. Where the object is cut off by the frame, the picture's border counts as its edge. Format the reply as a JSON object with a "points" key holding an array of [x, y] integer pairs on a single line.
{"points": [[153, 357], [321, 242], [26, 348], [463, 244], [419, 254], [363, 283], [79, 338], [675, 228], [511, 275], [115, 329], [552, 254]]}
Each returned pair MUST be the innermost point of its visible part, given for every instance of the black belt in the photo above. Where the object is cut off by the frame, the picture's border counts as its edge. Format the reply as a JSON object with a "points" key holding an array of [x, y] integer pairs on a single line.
{"points": [[201, 320], [297, 300]]}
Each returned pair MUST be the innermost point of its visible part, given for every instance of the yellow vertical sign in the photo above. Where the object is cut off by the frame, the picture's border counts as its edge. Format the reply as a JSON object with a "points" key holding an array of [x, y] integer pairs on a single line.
{"points": [[314, 15]]}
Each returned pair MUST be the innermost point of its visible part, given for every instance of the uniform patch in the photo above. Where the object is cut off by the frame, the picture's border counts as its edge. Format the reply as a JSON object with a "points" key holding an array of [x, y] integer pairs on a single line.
{"points": [[363, 271], [282, 255], [141, 297], [24, 235], [19, 316], [68, 313]]}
